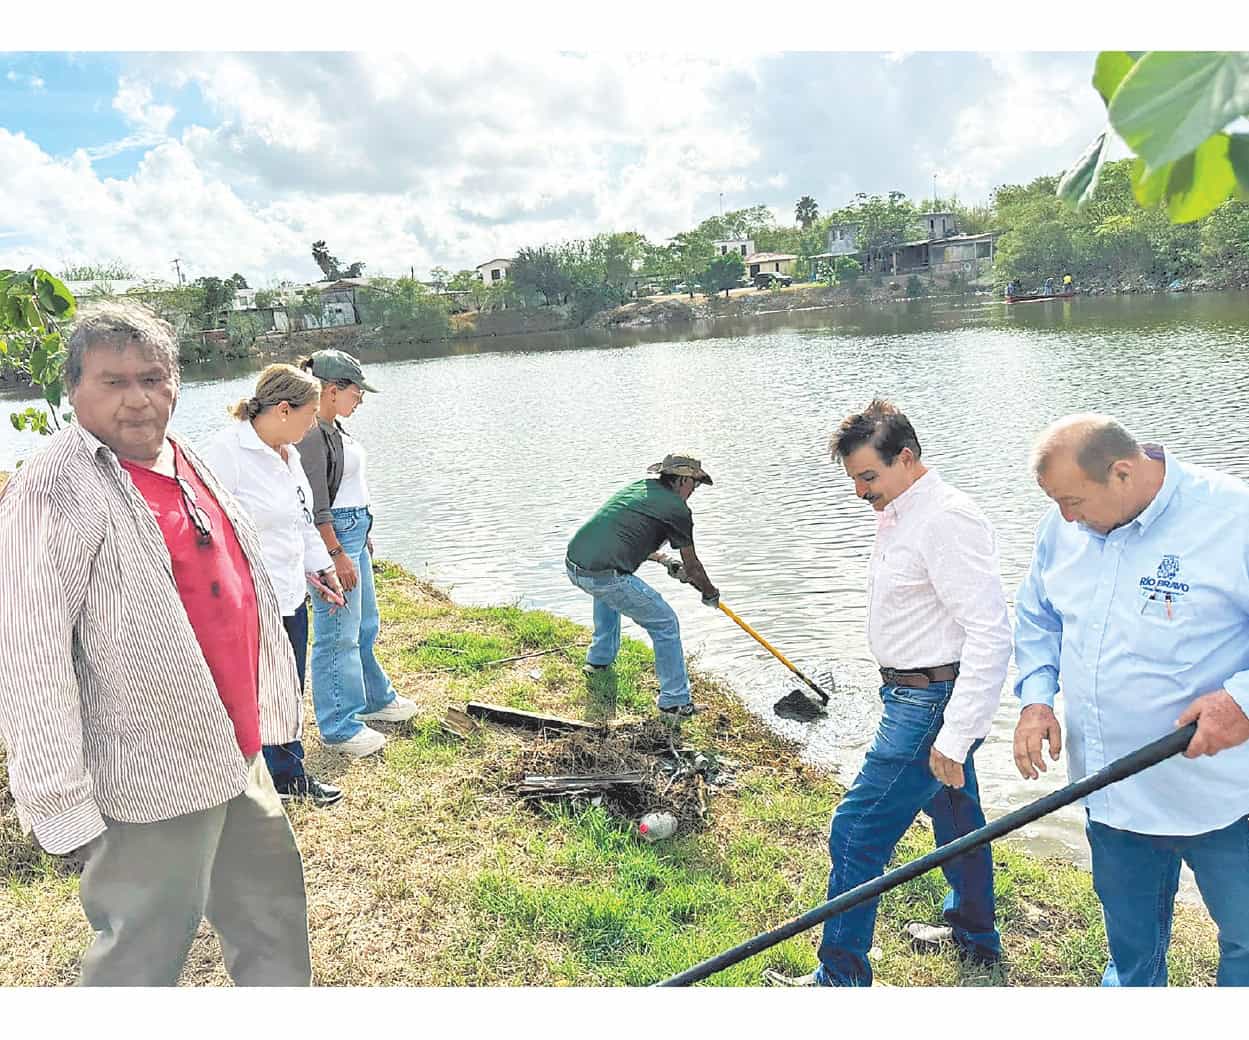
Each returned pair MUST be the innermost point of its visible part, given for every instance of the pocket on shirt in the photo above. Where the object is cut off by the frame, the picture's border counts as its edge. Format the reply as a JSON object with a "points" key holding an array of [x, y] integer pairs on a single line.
{"points": [[1165, 636]]}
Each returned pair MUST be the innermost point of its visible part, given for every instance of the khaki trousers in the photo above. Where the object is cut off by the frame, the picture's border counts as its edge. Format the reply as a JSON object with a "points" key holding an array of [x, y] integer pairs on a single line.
{"points": [[146, 887]]}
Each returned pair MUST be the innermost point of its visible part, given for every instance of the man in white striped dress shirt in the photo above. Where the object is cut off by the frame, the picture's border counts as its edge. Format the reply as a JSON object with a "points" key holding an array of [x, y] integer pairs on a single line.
{"points": [[142, 662], [936, 613]]}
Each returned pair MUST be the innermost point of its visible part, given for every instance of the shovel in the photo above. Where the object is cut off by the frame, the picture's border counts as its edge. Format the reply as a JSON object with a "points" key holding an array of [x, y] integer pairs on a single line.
{"points": [[796, 704]]}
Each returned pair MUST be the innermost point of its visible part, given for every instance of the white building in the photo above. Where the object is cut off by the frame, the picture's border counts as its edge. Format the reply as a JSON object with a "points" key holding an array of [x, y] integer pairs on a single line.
{"points": [[492, 272], [939, 225], [744, 247], [245, 299], [841, 240]]}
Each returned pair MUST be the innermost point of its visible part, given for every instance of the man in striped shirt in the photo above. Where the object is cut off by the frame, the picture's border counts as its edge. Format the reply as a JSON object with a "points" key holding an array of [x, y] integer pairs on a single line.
{"points": [[148, 667]]}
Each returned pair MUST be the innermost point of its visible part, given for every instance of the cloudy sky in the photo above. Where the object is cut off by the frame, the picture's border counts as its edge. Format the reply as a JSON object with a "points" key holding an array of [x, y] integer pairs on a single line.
{"points": [[238, 161]]}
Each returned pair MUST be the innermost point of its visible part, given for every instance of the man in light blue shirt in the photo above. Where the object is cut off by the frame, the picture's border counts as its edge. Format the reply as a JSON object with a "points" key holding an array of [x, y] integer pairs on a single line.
{"points": [[1137, 605]]}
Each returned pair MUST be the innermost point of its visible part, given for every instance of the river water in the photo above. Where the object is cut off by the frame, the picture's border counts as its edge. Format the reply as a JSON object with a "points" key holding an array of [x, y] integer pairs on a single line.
{"points": [[483, 464]]}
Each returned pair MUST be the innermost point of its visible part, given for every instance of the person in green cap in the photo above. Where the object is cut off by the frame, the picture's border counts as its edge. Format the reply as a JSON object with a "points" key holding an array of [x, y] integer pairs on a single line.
{"points": [[349, 687], [603, 555]]}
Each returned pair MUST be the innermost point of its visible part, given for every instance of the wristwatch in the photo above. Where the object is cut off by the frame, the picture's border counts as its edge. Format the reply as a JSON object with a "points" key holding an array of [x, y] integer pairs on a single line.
{"points": [[336, 551]]}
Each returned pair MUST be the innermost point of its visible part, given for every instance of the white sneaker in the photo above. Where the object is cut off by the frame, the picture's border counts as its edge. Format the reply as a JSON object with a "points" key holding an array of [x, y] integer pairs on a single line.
{"points": [[366, 742], [926, 936], [399, 710]]}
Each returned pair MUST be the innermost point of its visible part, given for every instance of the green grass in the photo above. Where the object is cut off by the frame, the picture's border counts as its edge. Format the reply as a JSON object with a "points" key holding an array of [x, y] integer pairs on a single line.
{"points": [[430, 872]]}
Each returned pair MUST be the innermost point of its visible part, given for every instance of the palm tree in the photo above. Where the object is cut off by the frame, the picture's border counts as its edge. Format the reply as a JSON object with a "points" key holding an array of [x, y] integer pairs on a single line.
{"points": [[807, 212]]}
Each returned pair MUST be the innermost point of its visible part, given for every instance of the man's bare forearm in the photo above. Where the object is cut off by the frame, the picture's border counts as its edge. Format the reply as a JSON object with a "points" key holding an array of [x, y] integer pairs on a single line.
{"points": [[695, 573]]}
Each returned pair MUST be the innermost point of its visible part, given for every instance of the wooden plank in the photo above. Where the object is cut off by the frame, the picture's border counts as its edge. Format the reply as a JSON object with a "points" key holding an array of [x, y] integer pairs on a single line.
{"points": [[575, 781], [527, 719], [570, 786], [459, 724]]}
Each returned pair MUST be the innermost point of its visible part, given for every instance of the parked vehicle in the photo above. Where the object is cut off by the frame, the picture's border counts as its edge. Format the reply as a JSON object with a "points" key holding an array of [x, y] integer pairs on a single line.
{"points": [[767, 279]]}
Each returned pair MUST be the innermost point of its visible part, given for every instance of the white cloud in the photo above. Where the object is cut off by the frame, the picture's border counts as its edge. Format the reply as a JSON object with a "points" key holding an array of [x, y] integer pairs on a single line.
{"points": [[134, 101], [1040, 115], [35, 83], [449, 160]]}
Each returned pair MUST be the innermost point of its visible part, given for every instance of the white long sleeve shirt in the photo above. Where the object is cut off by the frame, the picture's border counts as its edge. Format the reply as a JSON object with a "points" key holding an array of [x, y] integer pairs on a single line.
{"points": [[934, 596], [278, 498]]}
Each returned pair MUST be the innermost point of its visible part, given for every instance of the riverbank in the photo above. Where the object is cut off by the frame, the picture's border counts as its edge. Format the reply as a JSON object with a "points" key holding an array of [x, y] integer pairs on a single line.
{"points": [[432, 872], [514, 329], [637, 321]]}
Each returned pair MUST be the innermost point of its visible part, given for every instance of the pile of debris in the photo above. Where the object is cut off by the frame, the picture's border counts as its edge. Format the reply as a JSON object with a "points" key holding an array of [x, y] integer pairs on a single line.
{"points": [[629, 768]]}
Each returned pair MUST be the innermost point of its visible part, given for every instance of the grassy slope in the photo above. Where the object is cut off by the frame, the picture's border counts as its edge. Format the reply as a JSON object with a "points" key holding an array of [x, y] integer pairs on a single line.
{"points": [[430, 873]]}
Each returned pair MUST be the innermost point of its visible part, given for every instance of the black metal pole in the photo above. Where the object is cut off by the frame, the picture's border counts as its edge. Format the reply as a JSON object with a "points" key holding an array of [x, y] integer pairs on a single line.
{"points": [[1120, 769]]}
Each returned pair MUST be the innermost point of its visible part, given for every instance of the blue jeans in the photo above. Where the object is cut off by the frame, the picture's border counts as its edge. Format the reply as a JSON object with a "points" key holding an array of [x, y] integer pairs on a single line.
{"points": [[346, 679], [286, 761], [616, 594], [1136, 876], [893, 786]]}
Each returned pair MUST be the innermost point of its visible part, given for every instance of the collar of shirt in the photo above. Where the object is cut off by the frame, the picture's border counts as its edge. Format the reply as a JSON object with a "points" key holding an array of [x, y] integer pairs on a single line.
{"points": [[911, 499], [249, 438], [1170, 482], [1171, 478], [95, 446]]}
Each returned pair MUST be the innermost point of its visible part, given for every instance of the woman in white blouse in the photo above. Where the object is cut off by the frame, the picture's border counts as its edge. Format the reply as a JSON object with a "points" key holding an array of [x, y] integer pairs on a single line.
{"points": [[257, 462]]}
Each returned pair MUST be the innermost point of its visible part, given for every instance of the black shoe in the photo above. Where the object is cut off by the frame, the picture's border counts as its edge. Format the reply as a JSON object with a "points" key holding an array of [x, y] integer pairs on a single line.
{"points": [[312, 789], [594, 669]]}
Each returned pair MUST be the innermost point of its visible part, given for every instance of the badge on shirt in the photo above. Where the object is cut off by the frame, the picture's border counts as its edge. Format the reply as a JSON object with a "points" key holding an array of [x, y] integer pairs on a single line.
{"points": [[1166, 581]]}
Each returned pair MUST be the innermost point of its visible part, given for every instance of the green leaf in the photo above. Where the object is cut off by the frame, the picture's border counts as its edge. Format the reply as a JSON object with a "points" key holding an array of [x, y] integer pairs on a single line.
{"points": [[1192, 186], [1109, 71], [1171, 101], [1238, 155], [1200, 182], [55, 298], [1149, 186], [17, 421], [4, 347], [1080, 181], [52, 393], [30, 313]]}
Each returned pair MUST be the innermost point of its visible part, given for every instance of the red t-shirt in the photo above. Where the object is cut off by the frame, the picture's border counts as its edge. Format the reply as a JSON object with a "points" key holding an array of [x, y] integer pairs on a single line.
{"points": [[215, 584]]}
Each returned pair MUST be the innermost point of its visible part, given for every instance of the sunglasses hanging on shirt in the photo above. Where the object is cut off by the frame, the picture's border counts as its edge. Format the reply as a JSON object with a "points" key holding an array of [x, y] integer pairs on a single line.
{"points": [[303, 504], [199, 518]]}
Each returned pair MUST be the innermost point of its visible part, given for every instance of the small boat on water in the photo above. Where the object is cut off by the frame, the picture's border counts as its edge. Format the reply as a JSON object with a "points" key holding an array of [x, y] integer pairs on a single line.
{"points": [[1038, 297]]}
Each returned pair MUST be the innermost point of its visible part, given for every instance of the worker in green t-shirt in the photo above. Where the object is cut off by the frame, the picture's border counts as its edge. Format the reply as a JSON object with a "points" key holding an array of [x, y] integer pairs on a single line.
{"points": [[628, 529]]}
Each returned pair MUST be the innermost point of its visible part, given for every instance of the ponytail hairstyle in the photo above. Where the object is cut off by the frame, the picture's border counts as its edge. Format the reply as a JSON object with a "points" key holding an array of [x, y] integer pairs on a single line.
{"points": [[276, 384]]}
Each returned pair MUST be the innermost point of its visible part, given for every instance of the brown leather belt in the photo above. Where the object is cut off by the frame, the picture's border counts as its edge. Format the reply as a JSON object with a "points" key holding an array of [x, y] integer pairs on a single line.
{"points": [[919, 678]]}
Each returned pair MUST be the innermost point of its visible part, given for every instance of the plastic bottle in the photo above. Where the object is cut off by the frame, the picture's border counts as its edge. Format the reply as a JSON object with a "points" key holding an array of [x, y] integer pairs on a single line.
{"points": [[655, 826]]}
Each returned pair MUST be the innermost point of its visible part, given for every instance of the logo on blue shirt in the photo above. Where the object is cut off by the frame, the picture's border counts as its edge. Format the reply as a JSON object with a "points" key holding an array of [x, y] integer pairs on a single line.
{"points": [[1167, 579]]}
